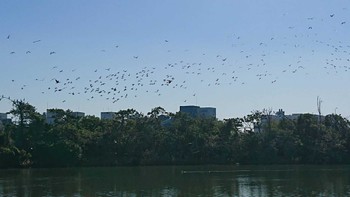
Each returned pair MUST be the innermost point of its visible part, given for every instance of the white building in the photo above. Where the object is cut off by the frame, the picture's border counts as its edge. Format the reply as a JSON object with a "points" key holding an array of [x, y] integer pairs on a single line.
{"points": [[51, 115]]}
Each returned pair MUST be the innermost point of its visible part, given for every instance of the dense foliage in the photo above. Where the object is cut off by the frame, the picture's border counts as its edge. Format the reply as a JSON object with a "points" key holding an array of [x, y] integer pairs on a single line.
{"points": [[132, 138]]}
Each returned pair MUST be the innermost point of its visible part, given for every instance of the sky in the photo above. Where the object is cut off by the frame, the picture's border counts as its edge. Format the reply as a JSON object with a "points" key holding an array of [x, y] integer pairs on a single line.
{"points": [[235, 55]]}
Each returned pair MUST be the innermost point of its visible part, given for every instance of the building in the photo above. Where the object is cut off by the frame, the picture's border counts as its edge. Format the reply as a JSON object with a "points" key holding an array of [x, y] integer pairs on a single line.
{"points": [[77, 114], [207, 112], [4, 120], [165, 120], [196, 111], [293, 117], [279, 116], [3, 116], [108, 115], [190, 110], [280, 113], [51, 115]]}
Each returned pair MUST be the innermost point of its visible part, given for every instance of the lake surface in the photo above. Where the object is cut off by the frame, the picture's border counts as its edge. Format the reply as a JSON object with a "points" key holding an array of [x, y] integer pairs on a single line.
{"points": [[257, 181]]}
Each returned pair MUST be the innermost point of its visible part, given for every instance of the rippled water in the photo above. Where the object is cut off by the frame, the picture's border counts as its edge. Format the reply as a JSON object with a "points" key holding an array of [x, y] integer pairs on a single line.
{"points": [[254, 181]]}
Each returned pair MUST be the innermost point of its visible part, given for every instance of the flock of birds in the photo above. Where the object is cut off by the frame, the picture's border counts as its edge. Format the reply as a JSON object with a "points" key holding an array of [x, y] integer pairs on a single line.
{"points": [[114, 84]]}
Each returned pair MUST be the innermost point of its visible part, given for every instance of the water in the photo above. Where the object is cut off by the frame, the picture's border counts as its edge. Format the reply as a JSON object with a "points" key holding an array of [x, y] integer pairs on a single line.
{"points": [[257, 181]]}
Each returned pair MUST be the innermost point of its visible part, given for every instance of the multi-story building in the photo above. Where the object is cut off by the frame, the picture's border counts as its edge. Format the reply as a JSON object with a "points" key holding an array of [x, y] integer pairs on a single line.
{"points": [[51, 115], [278, 116], [77, 114], [196, 111], [207, 112], [190, 110], [4, 119], [107, 115]]}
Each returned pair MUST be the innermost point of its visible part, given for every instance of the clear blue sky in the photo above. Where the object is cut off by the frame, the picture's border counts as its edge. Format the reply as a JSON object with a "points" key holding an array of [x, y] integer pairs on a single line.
{"points": [[237, 56]]}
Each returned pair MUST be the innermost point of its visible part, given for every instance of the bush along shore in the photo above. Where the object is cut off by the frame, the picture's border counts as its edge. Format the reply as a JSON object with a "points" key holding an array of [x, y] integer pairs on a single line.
{"points": [[162, 138]]}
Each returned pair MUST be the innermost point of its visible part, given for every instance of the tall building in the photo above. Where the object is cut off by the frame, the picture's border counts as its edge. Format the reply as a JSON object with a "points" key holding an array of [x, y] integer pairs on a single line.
{"points": [[50, 116], [190, 110], [196, 111]]}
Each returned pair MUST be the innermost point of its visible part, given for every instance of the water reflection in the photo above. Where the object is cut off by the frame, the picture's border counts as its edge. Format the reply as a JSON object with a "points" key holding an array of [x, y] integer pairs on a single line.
{"points": [[178, 181]]}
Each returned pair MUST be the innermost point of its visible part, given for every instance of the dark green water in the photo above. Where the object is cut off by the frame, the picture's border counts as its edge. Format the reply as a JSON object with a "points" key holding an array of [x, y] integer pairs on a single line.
{"points": [[178, 181]]}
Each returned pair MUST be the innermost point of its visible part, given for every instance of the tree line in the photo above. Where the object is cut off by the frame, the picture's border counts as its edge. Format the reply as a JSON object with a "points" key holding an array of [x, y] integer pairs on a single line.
{"points": [[133, 138]]}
